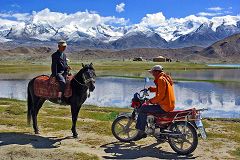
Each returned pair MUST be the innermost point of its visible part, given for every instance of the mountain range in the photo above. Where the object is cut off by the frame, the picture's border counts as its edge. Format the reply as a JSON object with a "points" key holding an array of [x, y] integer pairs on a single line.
{"points": [[225, 50], [192, 31]]}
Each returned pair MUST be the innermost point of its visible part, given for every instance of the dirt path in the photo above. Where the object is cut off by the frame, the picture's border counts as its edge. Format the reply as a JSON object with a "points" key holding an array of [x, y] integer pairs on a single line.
{"points": [[17, 145]]}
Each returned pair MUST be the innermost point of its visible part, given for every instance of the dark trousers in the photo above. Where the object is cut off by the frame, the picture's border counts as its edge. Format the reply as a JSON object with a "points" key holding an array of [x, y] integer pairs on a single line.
{"points": [[142, 116], [62, 81]]}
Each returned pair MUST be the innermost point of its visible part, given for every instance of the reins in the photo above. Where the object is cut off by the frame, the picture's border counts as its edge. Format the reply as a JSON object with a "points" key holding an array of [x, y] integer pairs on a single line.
{"points": [[81, 84], [77, 80]]}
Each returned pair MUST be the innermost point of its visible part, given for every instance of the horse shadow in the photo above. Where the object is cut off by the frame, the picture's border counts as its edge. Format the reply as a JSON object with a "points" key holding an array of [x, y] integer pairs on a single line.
{"points": [[119, 150], [20, 138]]}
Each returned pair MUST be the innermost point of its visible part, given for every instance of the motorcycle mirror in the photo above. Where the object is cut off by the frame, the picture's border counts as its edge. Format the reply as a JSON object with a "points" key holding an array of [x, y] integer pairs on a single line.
{"points": [[146, 79]]}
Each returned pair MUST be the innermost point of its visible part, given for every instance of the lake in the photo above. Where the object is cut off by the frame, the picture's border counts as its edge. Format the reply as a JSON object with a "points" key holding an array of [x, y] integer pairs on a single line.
{"points": [[225, 65], [222, 99], [208, 74]]}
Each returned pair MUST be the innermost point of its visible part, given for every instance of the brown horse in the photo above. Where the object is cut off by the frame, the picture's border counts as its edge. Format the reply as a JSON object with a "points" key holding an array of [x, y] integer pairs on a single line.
{"points": [[83, 81]]}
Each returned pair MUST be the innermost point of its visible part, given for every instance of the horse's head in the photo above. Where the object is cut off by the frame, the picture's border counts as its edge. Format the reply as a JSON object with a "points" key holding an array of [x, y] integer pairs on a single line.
{"points": [[88, 76]]}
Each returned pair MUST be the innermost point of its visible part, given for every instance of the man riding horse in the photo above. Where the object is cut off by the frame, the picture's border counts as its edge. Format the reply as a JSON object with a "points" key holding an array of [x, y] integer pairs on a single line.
{"points": [[43, 87], [60, 68]]}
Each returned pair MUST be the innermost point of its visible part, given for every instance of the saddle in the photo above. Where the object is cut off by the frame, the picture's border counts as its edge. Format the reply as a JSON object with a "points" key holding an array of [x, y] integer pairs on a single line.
{"points": [[48, 87]]}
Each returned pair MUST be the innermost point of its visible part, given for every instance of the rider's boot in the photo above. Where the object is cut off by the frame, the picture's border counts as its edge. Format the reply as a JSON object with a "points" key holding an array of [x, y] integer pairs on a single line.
{"points": [[60, 99], [141, 135]]}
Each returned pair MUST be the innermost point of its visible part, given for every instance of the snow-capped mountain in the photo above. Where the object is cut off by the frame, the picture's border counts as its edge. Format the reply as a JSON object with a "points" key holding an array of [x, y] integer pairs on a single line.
{"points": [[202, 36], [171, 33], [140, 40], [223, 30]]}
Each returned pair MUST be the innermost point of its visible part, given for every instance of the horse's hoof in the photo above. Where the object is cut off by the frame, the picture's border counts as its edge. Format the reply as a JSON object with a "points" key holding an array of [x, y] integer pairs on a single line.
{"points": [[75, 135], [37, 132]]}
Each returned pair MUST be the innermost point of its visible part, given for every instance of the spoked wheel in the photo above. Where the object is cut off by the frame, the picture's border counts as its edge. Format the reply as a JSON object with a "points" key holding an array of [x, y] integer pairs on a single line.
{"points": [[187, 140], [123, 128]]}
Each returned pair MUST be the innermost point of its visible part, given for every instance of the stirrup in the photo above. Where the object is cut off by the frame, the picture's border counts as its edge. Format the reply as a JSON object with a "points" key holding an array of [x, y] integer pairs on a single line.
{"points": [[59, 101]]}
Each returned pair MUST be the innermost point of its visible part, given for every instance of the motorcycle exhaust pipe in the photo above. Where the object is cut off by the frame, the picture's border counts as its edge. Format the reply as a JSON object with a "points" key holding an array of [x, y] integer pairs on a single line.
{"points": [[172, 135]]}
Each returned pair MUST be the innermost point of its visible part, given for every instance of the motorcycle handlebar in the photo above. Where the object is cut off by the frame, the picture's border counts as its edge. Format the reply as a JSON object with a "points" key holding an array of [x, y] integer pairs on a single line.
{"points": [[202, 109], [145, 92]]}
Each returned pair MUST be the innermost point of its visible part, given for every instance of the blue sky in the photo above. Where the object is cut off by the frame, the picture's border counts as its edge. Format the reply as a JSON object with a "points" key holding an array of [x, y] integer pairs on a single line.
{"points": [[134, 10]]}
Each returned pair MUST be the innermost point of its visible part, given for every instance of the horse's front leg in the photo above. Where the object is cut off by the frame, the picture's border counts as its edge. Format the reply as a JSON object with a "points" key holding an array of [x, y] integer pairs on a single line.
{"points": [[74, 110]]}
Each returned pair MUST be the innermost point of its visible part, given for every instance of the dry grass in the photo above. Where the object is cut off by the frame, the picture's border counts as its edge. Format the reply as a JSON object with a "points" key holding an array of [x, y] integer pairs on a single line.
{"points": [[97, 120]]}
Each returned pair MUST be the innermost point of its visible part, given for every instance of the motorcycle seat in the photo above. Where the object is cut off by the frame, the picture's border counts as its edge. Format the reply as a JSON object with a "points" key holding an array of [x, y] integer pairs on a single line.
{"points": [[174, 113]]}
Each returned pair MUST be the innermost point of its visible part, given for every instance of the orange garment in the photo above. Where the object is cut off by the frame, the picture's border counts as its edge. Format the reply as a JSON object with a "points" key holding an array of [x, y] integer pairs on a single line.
{"points": [[164, 92]]}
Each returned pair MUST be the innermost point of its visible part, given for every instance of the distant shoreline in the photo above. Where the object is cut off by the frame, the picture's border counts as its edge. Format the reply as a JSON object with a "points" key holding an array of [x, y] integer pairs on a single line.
{"points": [[127, 69]]}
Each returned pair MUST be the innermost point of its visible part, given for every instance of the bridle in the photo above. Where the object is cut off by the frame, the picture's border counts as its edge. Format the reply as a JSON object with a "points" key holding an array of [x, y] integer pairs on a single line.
{"points": [[81, 84], [86, 81]]}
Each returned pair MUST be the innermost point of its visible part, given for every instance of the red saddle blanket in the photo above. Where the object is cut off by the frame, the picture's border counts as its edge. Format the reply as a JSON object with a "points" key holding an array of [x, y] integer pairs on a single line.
{"points": [[48, 87]]}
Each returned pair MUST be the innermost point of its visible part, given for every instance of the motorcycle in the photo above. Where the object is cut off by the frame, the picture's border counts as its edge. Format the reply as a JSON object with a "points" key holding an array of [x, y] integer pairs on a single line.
{"points": [[180, 128]]}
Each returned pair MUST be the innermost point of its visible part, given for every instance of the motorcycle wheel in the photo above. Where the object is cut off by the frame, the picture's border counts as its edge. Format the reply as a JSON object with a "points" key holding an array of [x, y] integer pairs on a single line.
{"points": [[123, 129], [186, 143]]}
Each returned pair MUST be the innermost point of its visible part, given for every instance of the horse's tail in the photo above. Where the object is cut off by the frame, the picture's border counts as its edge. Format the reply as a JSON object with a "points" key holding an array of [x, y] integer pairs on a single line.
{"points": [[29, 104]]}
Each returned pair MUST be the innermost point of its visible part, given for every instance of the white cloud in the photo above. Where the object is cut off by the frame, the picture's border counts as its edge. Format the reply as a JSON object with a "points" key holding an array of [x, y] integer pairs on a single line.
{"points": [[7, 22], [114, 20], [215, 8], [57, 19], [153, 20], [228, 12], [120, 7], [209, 14], [15, 5], [216, 11], [17, 16], [5, 15], [21, 16]]}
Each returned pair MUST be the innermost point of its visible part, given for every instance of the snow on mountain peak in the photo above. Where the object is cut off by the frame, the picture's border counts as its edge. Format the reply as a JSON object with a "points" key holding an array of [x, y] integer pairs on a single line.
{"points": [[46, 25]]}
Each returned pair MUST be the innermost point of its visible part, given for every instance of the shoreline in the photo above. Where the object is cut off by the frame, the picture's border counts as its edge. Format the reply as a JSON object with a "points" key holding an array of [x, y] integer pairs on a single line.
{"points": [[9, 76], [127, 69]]}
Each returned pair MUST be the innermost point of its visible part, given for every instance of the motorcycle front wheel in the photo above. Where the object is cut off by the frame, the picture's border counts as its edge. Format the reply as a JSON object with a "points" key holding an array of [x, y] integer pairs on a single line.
{"points": [[123, 129], [187, 140]]}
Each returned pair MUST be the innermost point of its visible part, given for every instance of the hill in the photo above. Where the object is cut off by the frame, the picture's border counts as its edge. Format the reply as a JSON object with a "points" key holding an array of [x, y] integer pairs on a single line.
{"points": [[226, 50]]}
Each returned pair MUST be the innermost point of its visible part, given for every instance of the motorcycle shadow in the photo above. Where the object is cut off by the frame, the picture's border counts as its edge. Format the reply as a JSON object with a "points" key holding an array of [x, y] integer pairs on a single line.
{"points": [[119, 150]]}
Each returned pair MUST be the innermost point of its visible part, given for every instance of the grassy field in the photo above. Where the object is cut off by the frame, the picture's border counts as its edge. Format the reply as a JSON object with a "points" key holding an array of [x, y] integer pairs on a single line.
{"points": [[55, 120], [103, 67], [127, 69], [13, 113]]}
